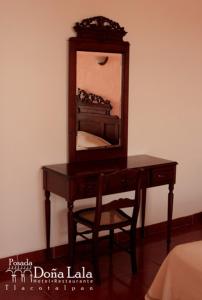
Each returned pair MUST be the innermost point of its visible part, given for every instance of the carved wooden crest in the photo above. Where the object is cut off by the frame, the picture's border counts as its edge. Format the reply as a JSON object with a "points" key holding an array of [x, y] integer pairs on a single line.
{"points": [[90, 100], [99, 28]]}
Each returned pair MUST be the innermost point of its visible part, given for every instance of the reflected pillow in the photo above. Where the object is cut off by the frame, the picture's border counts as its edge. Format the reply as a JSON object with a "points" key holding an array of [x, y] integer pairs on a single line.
{"points": [[88, 140]]}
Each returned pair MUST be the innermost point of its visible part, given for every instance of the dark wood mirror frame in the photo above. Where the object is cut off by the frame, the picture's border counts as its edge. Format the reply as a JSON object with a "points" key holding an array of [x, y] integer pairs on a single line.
{"points": [[97, 34]]}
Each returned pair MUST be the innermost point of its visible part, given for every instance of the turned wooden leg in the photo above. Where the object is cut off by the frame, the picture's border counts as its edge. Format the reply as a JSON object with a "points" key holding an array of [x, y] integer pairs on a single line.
{"points": [[47, 215], [111, 240], [95, 257], [143, 207], [133, 250], [170, 212], [70, 232], [74, 234]]}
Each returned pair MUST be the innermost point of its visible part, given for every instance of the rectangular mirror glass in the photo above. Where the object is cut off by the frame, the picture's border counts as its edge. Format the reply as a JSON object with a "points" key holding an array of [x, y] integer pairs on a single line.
{"points": [[98, 99]]}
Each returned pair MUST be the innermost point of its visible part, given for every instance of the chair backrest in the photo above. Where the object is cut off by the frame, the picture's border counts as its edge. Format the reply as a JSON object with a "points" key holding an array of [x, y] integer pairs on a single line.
{"points": [[122, 180]]}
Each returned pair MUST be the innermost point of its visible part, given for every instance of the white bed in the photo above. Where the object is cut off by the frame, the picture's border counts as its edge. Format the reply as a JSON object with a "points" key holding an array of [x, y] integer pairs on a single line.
{"points": [[180, 275], [85, 140]]}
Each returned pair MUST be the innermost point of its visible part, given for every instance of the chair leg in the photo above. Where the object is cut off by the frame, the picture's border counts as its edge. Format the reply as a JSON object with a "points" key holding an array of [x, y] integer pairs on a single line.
{"points": [[133, 251], [74, 234], [95, 257], [111, 240]]}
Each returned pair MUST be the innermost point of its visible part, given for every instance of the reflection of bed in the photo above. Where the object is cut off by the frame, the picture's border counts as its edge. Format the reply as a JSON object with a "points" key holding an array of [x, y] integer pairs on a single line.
{"points": [[180, 275], [93, 117], [85, 140]]}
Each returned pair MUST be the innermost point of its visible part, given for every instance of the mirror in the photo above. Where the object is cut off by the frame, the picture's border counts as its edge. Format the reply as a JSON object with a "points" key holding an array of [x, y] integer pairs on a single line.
{"points": [[98, 91], [98, 79]]}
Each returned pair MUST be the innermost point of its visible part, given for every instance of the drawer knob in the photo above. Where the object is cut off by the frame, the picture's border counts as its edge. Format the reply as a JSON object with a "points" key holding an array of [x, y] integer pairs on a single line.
{"points": [[160, 176], [124, 182]]}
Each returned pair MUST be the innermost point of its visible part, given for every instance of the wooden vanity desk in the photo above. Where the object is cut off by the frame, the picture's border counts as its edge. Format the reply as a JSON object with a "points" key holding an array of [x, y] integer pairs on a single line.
{"points": [[98, 109], [75, 181]]}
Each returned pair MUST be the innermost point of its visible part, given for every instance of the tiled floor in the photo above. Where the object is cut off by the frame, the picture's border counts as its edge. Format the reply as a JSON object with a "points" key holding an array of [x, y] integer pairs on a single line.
{"points": [[117, 281]]}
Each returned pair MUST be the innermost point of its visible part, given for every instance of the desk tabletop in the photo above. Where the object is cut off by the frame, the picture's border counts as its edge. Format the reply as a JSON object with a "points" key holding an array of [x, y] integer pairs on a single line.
{"points": [[93, 167]]}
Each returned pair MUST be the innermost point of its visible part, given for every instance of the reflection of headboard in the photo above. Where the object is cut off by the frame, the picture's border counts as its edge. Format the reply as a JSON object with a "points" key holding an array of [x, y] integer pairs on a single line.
{"points": [[93, 116]]}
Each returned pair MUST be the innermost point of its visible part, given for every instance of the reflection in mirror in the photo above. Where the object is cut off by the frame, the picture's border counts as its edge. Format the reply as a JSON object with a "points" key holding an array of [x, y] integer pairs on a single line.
{"points": [[98, 96]]}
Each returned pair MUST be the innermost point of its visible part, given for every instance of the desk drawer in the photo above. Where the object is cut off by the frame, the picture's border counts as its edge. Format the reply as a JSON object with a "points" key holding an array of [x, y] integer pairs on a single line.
{"points": [[162, 175], [120, 183], [85, 187]]}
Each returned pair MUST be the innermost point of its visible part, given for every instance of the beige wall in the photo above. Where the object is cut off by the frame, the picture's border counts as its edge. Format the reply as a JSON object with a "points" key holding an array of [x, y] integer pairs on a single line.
{"points": [[164, 113]]}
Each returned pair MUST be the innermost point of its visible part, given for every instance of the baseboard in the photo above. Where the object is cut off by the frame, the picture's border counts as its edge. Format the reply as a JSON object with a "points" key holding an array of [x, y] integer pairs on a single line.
{"points": [[160, 228], [151, 231]]}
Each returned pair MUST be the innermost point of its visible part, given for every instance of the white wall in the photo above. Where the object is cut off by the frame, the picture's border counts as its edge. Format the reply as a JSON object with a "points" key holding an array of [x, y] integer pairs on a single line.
{"points": [[164, 114]]}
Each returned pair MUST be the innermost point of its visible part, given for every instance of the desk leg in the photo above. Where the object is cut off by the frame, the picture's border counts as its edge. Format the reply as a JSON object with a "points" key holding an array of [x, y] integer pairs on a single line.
{"points": [[170, 212], [47, 213], [70, 232], [143, 206]]}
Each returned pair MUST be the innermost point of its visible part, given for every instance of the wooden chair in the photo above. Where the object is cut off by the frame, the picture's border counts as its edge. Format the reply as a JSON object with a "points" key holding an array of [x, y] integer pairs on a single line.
{"points": [[110, 216]]}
